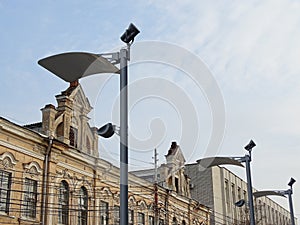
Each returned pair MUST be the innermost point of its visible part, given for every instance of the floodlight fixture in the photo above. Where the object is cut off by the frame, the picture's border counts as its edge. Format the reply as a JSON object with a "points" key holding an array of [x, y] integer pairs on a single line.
{"points": [[106, 130], [130, 33], [292, 181], [249, 146], [240, 203]]}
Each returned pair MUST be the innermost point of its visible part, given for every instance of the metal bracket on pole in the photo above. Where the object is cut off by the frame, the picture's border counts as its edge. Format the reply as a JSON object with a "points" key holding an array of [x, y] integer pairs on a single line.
{"points": [[242, 159], [113, 58]]}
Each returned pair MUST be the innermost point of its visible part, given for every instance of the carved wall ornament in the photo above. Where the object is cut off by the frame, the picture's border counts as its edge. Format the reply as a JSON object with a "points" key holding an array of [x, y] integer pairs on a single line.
{"points": [[32, 168], [7, 160]]}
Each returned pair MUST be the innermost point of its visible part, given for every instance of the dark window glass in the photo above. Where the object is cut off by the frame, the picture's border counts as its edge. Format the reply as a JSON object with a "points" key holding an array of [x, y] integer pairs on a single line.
{"points": [[30, 198], [141, 218], [63, 201], [104, 216], [73, 137], [151, 220], [116, 215], [5, 183], [130, 217], [83, 206]]}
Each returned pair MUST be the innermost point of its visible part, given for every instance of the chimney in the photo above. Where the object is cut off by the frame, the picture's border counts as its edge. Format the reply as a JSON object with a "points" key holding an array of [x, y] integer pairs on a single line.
{"points": [[48, 114], [173, 145]]}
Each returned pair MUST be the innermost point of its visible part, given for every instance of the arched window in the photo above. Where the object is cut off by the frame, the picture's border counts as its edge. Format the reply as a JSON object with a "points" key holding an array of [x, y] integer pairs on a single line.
{"points": [[73, 136], [174, 222], [83, 206], [63, 201], [88, 146], [60, 130]]}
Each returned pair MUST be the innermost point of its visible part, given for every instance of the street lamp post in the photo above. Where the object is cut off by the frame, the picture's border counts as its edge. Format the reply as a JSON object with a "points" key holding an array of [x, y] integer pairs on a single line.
{"points": [[75, 65], [281, 193], [215, 161], [247, 160]]}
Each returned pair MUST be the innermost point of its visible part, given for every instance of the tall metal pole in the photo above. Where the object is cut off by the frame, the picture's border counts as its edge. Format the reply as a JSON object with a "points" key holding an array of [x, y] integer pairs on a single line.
{"points": [[249, 187], [290, 192], [155, 165], [156, 220], [124, 53]]}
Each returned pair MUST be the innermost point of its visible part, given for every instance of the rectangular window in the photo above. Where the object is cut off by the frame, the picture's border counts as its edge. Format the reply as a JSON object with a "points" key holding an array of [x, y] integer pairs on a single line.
{"points": [[83, 206], [73, 136], [5, 183], [141, 218], [151, 220], [226, 192], [116, 215], [161, 222], [177, 184], [30, 198], [104, 213], [130, 217], [63, 203]]}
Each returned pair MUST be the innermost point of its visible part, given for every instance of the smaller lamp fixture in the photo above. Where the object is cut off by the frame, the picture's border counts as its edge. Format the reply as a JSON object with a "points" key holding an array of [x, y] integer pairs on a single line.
{"points": [[292, 181], [249, 146], [106, 131], [129, 34], [240, 203]]}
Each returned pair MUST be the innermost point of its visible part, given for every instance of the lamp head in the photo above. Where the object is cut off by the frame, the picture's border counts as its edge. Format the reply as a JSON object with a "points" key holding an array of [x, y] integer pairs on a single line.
{"points": [[292, 181], [240, 203], [106, 131], [129, 34], [249, 146]]}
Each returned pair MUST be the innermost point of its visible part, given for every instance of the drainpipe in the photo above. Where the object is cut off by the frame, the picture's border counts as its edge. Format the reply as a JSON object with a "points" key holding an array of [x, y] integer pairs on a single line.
{"points": [[94, 194], [45, 182]]}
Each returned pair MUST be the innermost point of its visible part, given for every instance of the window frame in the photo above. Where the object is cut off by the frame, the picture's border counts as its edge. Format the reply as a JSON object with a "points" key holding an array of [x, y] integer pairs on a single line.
{"points": [[83, 206], [141, 218], [6, 191], [30, 194], [63, 202], [104, 213]]}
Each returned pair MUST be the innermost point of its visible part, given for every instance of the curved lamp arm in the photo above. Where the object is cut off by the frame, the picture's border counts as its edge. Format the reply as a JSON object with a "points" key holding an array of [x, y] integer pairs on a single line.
{"points": [[215, 161], [259, 194]]}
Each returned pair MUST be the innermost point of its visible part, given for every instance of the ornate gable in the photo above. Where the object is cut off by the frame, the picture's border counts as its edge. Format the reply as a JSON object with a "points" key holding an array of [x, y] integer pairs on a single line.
{"points": [[173, 172], [175, 156], [68, 121]]}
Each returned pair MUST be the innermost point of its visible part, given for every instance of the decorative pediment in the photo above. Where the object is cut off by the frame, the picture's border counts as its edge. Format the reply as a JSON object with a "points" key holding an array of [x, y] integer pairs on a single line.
{"points": [[80, 101], [179, 156], [175, 155], [131, 202], [32, 168], [142, 205], [8, 160]]}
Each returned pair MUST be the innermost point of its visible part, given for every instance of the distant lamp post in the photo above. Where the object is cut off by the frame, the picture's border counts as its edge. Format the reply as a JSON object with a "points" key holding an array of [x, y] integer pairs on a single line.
{"points": [[75, 65], [281, 193], [215, 161]]}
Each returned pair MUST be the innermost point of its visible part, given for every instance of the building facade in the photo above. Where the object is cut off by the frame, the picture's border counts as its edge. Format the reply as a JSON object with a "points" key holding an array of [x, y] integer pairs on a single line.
{"points": [[220, 189], [170, 175], [51, 173]]}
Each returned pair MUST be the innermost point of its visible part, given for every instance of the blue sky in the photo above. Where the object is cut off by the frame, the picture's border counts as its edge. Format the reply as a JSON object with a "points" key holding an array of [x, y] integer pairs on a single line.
{"points": [[251, 50]]}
